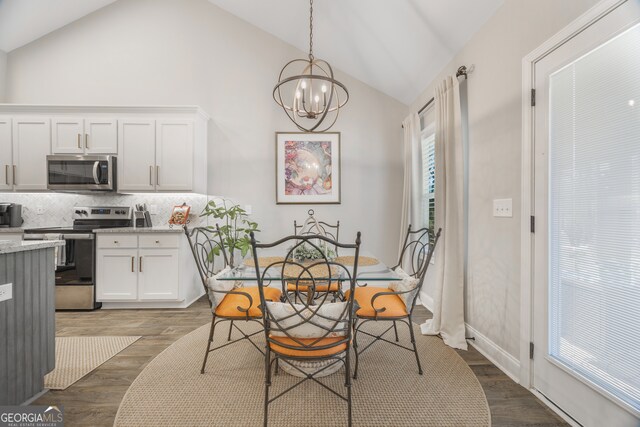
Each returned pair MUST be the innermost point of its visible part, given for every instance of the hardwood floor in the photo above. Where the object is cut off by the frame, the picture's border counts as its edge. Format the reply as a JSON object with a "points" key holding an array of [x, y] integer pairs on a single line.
{"points": [[94, 400]]}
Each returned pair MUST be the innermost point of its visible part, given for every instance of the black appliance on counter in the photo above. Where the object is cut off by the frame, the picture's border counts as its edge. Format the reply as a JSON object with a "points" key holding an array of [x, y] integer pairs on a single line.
{"points": [[10, 215], [76, 261]]}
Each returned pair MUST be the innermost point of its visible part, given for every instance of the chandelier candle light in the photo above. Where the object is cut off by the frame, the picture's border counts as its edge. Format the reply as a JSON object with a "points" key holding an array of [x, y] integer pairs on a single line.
{"points": [[314, 93]]}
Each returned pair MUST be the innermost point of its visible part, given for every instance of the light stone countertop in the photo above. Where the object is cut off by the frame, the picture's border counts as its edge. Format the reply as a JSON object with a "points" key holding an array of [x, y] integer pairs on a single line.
{"points": [[9, 246], [12, 230], [129, 230]]}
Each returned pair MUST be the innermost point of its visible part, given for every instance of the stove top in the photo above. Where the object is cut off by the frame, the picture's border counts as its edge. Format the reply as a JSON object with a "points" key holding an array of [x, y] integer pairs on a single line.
{"points": [[90, 218]]}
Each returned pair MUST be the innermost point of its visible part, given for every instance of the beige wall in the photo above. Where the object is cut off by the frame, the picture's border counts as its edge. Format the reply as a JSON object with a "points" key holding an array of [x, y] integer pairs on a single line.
{"points": [[192, 52], [494, 101], [3, 74]]}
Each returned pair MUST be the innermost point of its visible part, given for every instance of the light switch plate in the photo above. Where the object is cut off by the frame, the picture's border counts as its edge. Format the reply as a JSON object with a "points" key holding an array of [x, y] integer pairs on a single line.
{"points": [[6, 292], [503, 208]]}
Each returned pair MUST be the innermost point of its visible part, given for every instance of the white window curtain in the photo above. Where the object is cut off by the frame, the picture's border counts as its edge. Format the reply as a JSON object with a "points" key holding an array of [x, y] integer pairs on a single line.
{"points": [[412, 194], [448, 285]]}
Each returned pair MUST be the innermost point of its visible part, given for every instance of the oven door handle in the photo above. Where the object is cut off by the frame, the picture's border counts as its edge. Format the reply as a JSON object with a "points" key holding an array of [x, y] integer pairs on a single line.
{"points": [[95, 172], [78, 236], [86, 236]]}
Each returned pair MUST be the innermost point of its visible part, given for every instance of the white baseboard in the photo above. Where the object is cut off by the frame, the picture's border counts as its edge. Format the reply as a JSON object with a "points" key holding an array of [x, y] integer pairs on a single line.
{"points": [[497, 355], [426, 301]]}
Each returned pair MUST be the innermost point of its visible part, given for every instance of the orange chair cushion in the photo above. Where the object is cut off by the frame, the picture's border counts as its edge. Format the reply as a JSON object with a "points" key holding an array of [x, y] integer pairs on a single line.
{"points": [[306, 351], [228, 307], [333, 287], [393, 303]]}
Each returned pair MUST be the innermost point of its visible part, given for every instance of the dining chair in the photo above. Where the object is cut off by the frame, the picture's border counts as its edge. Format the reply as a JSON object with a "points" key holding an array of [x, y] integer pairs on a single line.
{"points": [[311, 227], [396, 302], [314, 330], [228, 303]]}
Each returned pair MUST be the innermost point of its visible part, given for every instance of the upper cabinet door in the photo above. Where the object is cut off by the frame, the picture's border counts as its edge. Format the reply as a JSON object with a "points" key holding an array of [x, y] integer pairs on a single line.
{"points": [[31, 145], [136, 155], [6, 160], [101, 136], [67, 135], [174, 155]]}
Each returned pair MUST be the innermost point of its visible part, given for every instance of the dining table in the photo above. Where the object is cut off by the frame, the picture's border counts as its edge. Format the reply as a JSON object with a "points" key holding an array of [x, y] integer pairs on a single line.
{"points": [[370, 270]]}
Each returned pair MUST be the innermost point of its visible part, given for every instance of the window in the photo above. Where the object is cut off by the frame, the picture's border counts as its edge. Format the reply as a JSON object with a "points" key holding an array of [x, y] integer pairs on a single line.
{"points": [[428, 141], [594, 232]]}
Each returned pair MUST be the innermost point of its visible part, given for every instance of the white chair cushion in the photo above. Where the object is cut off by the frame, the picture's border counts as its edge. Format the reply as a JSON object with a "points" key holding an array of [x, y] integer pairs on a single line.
{"points": [[407, 283], [220, 285], [314, 328]]}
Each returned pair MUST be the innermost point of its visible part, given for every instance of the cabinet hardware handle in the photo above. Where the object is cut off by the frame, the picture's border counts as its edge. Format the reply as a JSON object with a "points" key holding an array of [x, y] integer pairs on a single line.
{"points": [[79, 143], [157, 242], [157, 175], [132, 261], [6, 174], [150, 175], [86, 140], [14, 175], [140, 265], [115, 242]]}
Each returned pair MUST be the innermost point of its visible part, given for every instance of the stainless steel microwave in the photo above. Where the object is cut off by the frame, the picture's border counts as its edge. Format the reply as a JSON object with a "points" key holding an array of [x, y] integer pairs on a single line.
{"points": [[80, 173]]}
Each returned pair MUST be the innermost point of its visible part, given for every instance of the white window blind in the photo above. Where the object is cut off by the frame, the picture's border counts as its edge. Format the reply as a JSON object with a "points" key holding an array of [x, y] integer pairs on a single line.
{"points": [[594, 217], [428, 179]]}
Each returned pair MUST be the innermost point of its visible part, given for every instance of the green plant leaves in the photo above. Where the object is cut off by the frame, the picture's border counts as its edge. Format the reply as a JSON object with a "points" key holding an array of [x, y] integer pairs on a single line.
{"points": [[236, 225]]}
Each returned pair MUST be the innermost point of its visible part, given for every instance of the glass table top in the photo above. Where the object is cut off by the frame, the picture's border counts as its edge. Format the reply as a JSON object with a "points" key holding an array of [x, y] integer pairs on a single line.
{"points": [[378, 272]]}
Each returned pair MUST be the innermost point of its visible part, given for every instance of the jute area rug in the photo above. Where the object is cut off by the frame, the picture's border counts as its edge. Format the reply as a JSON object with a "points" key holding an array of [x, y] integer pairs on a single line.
{"points": [[170, 391], [77, 356]]}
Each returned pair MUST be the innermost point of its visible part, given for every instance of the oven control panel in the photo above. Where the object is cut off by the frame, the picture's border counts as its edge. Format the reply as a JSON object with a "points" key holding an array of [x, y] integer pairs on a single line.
{"points": [[102, 212]]}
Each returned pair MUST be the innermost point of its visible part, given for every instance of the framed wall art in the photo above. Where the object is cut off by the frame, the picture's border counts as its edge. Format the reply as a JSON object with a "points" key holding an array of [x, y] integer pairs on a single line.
{"points": [[307, 168]]}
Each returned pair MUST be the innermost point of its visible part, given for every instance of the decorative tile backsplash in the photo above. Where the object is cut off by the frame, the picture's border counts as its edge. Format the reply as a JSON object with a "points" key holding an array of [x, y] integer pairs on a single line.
{"points": [[56, 209]]}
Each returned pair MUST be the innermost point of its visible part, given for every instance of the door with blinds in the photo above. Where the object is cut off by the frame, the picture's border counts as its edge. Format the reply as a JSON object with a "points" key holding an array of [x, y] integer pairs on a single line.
{"points": [[586, 308]]}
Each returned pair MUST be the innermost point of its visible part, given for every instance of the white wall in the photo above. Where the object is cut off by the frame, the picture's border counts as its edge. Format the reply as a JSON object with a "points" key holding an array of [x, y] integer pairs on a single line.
{"points": [[192, 52], [494, 104], [3, 74]]}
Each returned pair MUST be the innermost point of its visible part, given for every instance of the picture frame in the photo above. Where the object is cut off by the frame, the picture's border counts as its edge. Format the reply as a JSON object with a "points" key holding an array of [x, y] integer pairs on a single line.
{"points": [[308, 169]]}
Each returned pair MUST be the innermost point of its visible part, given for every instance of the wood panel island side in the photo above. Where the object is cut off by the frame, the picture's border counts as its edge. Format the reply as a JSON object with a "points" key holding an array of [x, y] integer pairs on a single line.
{"points": [[27, 318]]}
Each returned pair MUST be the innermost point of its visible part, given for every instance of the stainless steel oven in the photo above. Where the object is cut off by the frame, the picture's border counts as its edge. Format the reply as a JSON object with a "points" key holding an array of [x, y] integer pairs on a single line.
{"points": [[76, 260], [75, 268], [80, 173]]}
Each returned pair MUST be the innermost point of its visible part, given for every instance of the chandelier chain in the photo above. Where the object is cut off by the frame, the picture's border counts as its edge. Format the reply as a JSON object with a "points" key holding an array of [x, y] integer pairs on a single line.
{"points": [[311, 30]]}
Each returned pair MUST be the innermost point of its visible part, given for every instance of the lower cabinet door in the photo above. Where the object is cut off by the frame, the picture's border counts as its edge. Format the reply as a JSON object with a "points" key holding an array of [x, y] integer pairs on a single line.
{"points": [[159, 275], [117, 275]]}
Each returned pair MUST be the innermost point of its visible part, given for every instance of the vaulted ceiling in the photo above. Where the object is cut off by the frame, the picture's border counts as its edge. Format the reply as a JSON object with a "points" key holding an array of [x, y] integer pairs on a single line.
{"points": [[23, 21], [396, 46]]}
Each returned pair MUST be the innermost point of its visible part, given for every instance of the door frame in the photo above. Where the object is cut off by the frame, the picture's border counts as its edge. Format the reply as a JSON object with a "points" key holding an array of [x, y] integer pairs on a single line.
{"points": [[527, 183]]}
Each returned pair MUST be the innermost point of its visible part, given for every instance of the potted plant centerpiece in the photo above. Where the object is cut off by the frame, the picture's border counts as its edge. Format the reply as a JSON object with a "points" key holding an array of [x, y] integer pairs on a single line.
{"points": [[235, 226], [307, 252]]}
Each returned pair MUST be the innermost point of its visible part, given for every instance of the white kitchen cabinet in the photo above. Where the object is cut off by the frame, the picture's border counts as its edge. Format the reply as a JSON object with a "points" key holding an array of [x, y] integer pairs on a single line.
{"points": [[174, 155], [136, 155], [142, 269], [77, 135], [117, 275], [158, 149], [158, 274], [67, 135], [101, 136], [6, 158], [31, 145]]}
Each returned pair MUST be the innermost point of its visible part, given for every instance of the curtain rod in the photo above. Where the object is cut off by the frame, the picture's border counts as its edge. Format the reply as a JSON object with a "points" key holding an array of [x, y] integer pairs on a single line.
{"points": [[462, 71]]}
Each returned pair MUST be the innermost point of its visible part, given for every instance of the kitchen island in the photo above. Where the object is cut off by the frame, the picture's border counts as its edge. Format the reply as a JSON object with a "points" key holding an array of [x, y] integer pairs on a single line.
{"points": [[27, 318]]}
